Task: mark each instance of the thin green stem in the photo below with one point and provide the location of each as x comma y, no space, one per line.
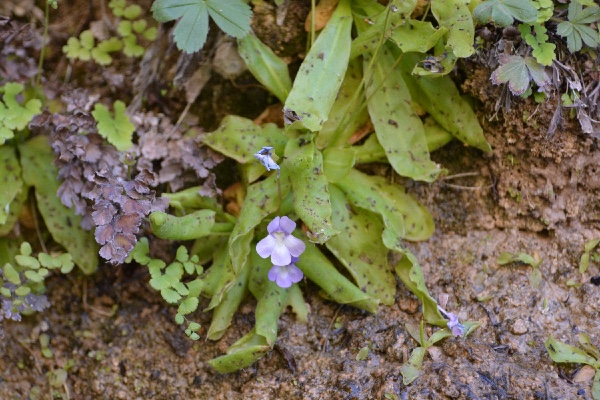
278,193
422,334
44,41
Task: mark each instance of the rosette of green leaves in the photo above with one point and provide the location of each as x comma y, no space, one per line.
357,217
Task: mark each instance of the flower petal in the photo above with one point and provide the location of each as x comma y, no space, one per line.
274,225
283,281
273,273
287,225
265,247
295,273
280,255
294,245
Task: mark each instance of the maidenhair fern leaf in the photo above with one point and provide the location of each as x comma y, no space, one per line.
118,130
13,115
232,16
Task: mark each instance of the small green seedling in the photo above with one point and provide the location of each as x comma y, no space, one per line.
45,345
118,130
563,353
22,280
168,280
362,354
412,368
535,277
584,262
130,29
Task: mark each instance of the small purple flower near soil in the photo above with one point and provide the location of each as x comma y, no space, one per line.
455,326
453,323
280,245
285,275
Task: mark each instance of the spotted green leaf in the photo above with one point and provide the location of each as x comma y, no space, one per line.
266,66
359,248
309,184
192,226
271,298
337,163
399,129
564,353
246,351
384,22
364,191
409,271
321,271
10,181
440,97
239,138
344,118
456,17
320,76
223,313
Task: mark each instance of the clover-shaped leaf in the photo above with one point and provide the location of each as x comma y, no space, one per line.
232,16
132,12
132,48
518,72
80,48
101,53
576,30
504,12
118,130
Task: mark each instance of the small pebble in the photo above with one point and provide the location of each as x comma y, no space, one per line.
519,327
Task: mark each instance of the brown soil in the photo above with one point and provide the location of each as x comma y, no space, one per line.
532,195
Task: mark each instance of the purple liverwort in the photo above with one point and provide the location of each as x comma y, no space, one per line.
284,276
280,245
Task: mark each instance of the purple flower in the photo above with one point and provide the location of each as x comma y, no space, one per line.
454,325
280,245
285,275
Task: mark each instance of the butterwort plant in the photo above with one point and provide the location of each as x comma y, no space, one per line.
346,214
